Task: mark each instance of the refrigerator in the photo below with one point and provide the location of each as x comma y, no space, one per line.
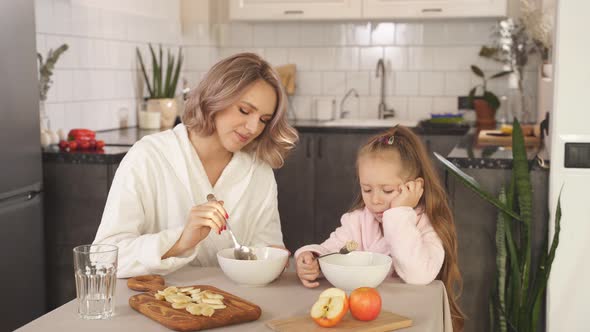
568,289
22,277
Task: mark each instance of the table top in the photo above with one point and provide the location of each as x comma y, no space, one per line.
426,305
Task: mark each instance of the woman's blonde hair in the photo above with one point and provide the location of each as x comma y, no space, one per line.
416,162
222,86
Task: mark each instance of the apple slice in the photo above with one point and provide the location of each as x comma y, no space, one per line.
330,308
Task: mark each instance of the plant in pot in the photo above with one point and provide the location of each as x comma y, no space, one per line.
45,73
162,88
518,293
487,103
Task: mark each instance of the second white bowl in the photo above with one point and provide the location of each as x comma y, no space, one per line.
356,269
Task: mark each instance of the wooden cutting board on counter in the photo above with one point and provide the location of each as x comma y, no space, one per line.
238,310
496,137
387,321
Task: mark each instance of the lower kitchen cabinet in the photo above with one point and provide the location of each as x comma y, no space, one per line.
75,198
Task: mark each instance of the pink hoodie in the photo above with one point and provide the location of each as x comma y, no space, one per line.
408,237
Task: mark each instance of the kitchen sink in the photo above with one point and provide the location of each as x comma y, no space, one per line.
384,123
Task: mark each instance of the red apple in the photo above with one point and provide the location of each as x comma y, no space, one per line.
365,303
330,307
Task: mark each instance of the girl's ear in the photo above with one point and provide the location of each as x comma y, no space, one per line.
421,181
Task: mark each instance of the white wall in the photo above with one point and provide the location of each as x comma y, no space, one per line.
95,81
569,291
427,62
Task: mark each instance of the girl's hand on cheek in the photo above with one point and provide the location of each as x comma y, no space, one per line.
409,194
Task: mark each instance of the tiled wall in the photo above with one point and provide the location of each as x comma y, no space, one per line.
427,63
97,84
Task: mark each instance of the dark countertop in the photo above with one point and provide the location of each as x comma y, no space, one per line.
465,154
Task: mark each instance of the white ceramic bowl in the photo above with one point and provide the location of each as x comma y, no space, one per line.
356,269
268,266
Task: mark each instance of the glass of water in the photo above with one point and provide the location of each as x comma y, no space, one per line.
95,268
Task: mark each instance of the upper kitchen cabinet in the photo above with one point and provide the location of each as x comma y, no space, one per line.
285,10
422,9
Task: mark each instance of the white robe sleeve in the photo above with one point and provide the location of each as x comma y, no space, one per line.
268,229
126,224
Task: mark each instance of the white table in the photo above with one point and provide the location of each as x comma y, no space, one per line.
426,305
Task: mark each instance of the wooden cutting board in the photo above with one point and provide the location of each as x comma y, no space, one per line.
238,310
387,321
496,137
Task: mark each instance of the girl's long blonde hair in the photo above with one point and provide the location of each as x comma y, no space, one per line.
221,87
434,200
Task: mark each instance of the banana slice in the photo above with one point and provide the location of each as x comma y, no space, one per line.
178,298
180,305
186,289
217,306
194,309
212,301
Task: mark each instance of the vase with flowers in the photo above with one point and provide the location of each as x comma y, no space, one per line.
45,72
486,103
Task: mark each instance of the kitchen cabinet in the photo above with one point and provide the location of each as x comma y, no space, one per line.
286,10
301,10
391,9
75,195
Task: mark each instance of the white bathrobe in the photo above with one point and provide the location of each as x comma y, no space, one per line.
157,183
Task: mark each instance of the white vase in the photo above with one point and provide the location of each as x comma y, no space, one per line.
167,108
44,123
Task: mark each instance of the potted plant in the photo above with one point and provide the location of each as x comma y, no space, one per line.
45,73
485,104
517,296
162,87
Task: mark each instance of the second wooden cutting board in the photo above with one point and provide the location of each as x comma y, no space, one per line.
387,321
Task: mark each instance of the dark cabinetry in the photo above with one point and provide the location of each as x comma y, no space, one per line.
75,198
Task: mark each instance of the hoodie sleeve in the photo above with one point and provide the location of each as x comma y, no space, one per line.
416,249
349,230
124,222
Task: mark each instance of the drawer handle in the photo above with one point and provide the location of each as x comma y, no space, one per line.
293,12
432,10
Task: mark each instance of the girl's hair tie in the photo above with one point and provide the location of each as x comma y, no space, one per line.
389,140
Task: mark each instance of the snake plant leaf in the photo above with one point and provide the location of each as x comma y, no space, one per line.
143,71
473,185
513,289
524,192
501,258
160,78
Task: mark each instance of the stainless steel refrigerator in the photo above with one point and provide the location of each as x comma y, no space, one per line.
22,276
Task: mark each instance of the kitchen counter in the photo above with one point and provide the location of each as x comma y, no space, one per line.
110,154
426,305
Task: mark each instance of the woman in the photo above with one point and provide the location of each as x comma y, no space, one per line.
234,132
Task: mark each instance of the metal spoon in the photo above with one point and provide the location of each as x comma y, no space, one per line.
349,247
240,252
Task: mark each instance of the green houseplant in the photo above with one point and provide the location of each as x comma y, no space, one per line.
45,73
517,296
487,103
162,87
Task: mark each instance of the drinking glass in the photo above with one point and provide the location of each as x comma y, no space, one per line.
95,268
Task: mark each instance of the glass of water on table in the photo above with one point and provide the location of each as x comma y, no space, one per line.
95,269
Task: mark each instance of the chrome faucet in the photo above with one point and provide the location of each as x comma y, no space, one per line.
343,112
383,111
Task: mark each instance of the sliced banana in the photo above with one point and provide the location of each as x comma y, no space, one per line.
192,299
217,306
186,289
180,305
212,301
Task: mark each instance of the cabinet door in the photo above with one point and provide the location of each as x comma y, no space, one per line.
336,184
295,189
285,10
433,8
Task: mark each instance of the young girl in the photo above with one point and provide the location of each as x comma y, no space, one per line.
402,212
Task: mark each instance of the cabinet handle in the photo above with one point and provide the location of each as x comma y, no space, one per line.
432,10
320,147
308,148
293,12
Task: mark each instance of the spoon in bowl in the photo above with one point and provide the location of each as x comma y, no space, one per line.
240,252
349,247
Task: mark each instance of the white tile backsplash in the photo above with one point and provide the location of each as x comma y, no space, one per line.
98,85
